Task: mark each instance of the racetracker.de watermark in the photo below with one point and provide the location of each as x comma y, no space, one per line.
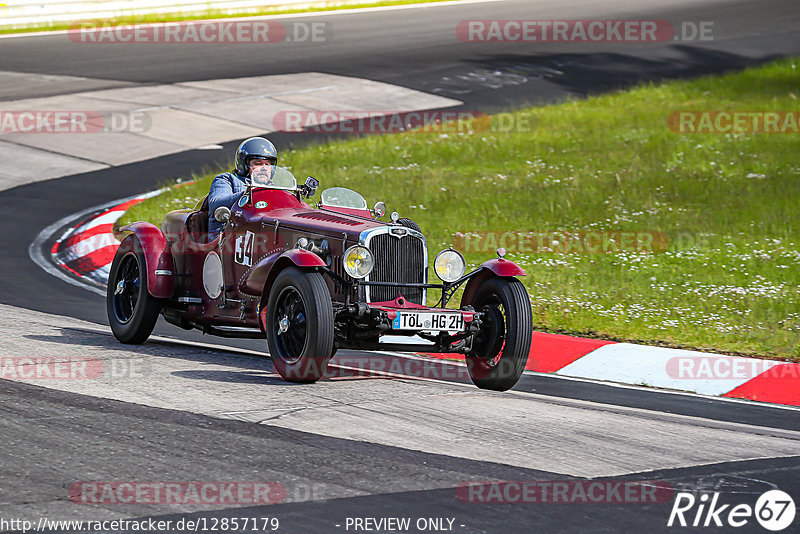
49,368
71,368
734,122
564,242
565,492
391,367
582,31
727,367
386,121
73,122
201,32
169,493
345,366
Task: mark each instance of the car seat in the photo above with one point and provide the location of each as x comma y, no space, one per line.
197,222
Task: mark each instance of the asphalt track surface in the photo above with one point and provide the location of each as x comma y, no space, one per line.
413,48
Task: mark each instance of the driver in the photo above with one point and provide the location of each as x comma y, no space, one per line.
254,155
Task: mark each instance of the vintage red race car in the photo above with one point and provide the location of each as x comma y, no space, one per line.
312,280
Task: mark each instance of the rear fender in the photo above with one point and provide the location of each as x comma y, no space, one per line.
495,267
157,258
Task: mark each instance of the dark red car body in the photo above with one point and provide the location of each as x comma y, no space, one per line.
223,287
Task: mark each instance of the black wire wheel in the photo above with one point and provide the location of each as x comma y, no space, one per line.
500,350
132,311
299,325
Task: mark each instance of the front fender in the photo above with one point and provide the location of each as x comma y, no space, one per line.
494,267
157,258
503,267
259,278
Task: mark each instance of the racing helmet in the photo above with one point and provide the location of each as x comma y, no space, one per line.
255,147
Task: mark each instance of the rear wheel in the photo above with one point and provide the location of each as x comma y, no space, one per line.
299,325
500,350
132,310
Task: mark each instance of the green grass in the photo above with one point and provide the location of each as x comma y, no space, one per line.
730,204
217,14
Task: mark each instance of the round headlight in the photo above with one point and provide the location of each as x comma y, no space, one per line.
358,261
449,265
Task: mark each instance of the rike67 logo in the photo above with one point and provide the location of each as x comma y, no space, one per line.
774,510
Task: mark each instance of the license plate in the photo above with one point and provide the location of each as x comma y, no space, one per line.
433,321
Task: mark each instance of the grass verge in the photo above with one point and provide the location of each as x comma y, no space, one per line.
727,203
218,14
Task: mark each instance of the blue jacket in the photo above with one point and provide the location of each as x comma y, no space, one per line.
225,191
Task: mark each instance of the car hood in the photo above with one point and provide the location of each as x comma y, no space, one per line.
321,221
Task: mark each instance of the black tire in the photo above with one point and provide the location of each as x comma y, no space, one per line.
132,310
302,345
501,348
408,223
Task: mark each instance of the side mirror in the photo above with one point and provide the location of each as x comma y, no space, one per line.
222,214
379,210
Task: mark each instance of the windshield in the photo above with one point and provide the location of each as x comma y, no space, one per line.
272,177
341,197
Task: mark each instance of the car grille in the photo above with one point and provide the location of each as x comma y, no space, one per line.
397,260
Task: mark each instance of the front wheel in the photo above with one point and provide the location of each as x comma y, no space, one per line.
132,310
500,350
299,325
